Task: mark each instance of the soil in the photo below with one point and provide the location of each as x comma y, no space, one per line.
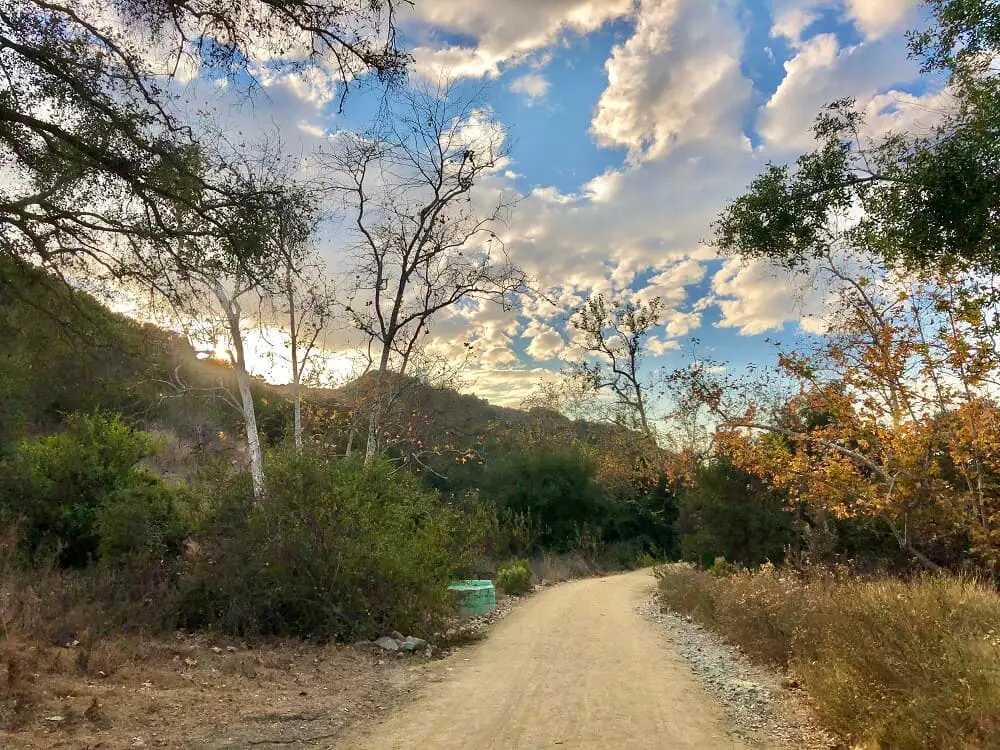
575,666
585,665
193,693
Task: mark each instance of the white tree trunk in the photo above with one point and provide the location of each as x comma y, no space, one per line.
298,419
371,449
232,310
296,369
253,436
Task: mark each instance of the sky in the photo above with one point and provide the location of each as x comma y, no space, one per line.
630,125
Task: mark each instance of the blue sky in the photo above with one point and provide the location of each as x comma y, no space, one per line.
631,123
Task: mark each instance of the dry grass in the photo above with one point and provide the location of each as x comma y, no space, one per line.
889,663
70,678
549,568
190,692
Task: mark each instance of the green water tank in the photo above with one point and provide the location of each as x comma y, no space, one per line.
477,598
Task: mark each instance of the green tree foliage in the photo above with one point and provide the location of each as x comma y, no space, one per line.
929,201
64,352
80,493
338,550
557,490
728,513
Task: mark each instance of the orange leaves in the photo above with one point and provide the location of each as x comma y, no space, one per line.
892,416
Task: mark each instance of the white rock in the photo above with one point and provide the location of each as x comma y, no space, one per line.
387,643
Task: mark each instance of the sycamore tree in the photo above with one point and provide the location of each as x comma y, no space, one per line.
891,413
96,151
423,238
614,335
218,285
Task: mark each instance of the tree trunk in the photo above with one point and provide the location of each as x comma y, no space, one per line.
296,374
371,450
238,357
298,419
374,421
253,436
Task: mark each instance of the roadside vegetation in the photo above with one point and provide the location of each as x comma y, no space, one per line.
887,662
844,526
837,515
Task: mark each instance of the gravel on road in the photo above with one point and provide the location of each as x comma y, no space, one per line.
768,709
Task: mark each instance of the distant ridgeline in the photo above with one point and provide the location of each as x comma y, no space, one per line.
62,351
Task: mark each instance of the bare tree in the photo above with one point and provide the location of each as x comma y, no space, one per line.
422,242
307,301
614,335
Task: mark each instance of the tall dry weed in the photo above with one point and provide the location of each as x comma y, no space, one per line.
890,663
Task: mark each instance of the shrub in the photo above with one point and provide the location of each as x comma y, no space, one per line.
56,486
140,523
729,513
558,491
888,662
514,578
336,550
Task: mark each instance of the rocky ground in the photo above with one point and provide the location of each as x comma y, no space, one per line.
768,709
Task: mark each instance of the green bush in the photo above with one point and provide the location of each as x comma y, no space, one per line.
558,491
731,514
140,522
338,550
56,486
514,578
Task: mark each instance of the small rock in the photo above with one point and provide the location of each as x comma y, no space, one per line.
191,662
231,649
412,643
387,643
216,650
789,683
55,718
397,635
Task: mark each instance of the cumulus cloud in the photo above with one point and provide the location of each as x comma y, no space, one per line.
876,18
755,297
533,85
508,34
822,71
676,79
545,342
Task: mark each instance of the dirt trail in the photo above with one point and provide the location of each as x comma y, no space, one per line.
575,666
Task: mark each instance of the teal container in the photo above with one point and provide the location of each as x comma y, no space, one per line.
476,598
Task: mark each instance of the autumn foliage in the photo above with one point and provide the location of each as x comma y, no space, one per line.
889,414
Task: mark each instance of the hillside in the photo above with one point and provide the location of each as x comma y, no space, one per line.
65,352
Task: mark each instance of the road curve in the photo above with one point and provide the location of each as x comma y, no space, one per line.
574,666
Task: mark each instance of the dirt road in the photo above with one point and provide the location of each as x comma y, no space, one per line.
573,667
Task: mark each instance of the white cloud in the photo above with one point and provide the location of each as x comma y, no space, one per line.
546,342
876,18
756,297
508,387
790,22
533,85
510,33
676,79
822,71
662,345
